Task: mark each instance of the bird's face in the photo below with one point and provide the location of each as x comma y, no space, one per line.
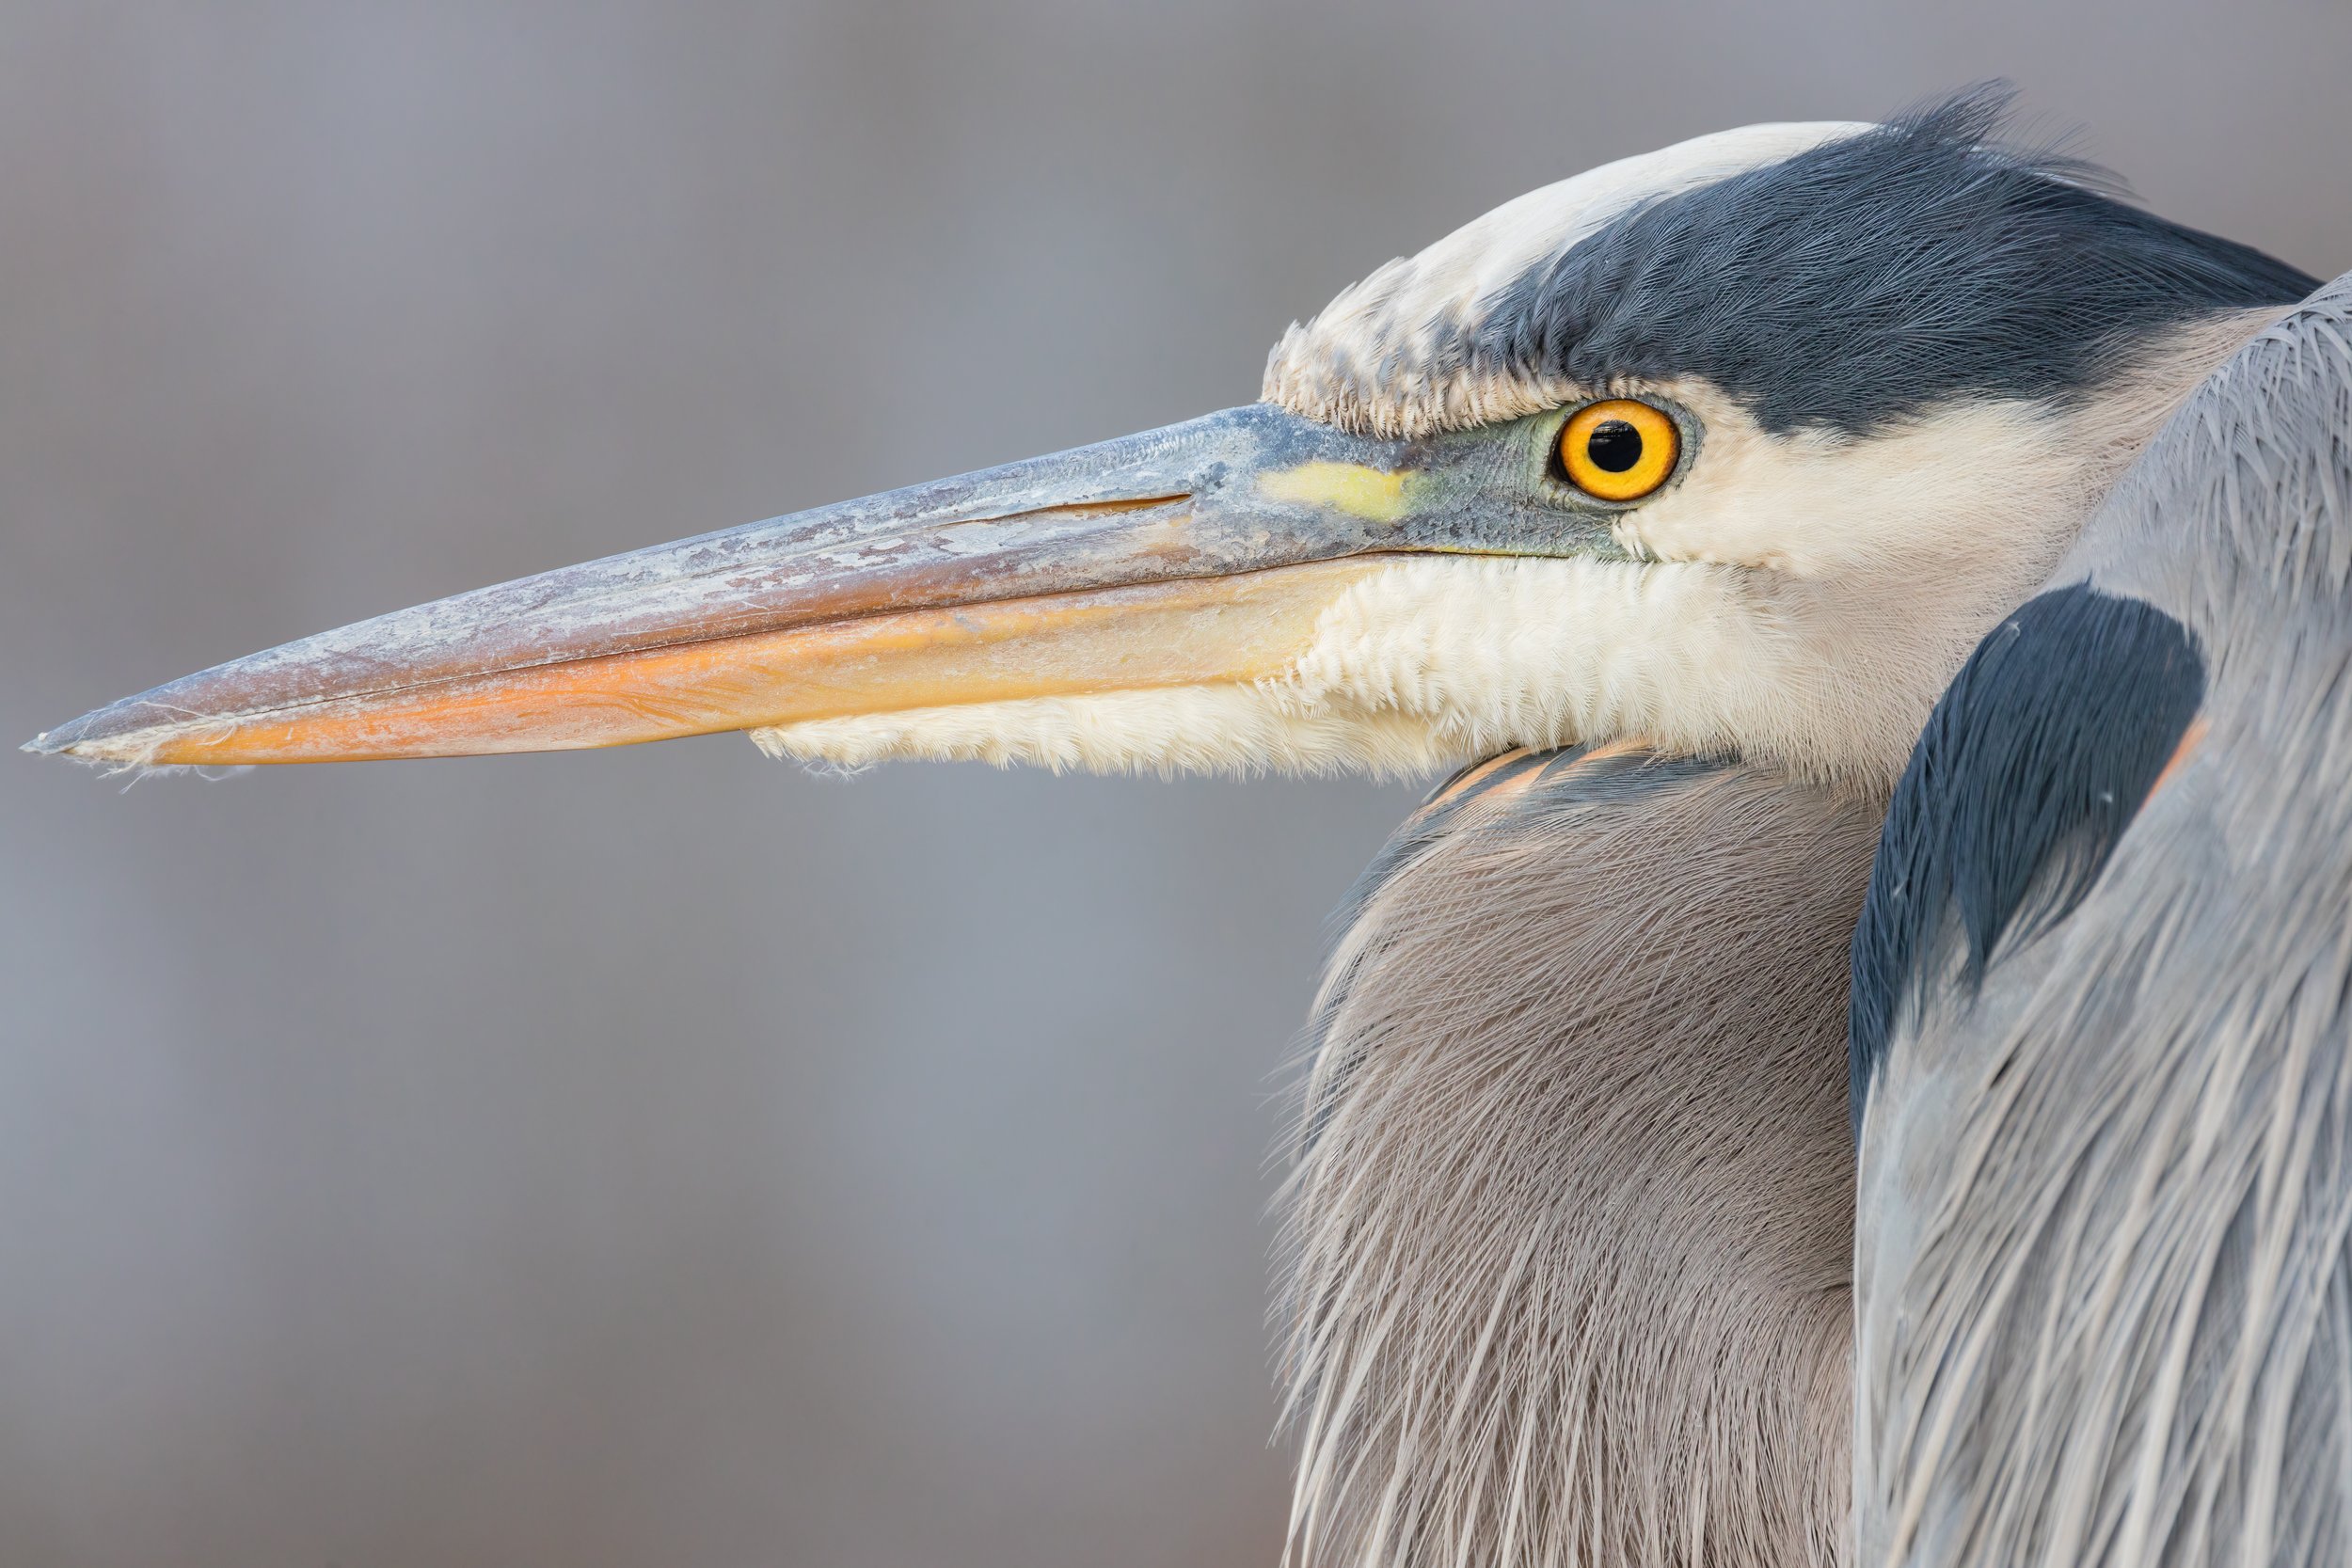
1736,447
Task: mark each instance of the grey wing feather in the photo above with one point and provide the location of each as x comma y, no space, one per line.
2104,1294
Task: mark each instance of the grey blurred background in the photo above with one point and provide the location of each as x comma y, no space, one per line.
661,1155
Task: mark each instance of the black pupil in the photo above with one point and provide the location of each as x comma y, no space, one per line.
1614,446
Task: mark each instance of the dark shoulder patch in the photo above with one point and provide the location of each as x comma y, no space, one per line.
2029,769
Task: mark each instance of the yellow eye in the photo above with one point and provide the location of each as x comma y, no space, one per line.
1619,450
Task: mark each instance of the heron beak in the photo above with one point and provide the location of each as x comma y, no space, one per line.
1200,553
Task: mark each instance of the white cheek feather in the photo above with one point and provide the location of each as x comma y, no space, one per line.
1990,489
1964,488
1689,657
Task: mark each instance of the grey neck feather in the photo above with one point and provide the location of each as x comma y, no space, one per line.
1570,1230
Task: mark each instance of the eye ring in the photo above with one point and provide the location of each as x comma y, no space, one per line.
1619,449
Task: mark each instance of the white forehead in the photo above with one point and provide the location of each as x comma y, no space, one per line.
1369,360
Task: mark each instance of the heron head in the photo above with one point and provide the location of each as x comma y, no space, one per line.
1734,447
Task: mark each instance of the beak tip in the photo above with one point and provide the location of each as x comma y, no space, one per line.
50,743
105,735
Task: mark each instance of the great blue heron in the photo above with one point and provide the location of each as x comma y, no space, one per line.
1678,492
